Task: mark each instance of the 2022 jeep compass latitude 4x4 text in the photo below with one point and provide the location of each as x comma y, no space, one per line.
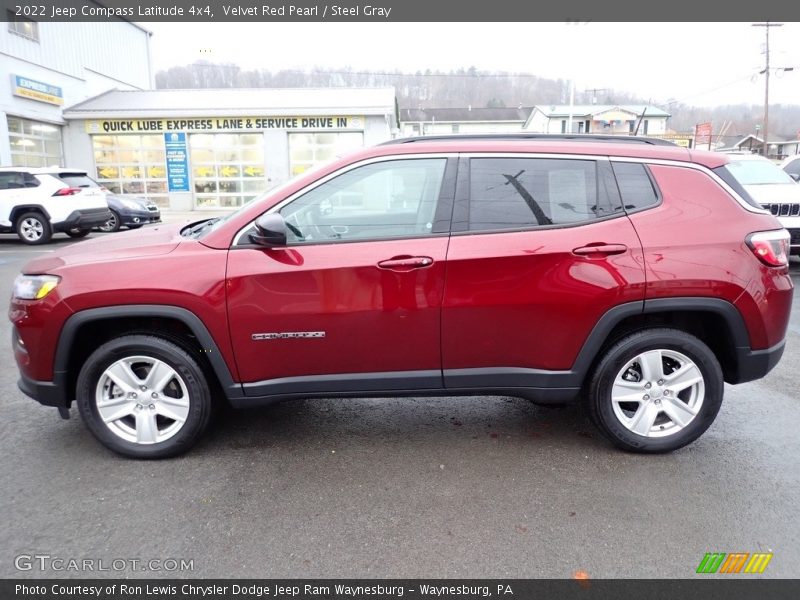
635,276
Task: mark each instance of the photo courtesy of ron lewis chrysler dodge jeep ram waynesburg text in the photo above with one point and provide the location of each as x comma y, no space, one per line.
629,274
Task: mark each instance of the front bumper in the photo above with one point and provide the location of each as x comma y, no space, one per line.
139,217
45,393
83,219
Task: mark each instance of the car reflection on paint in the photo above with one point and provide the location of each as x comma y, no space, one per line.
130,212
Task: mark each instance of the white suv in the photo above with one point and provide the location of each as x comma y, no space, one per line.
38,202
772,188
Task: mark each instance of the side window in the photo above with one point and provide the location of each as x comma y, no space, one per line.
635,186
31,181
793,168
515,193
394,198
11,180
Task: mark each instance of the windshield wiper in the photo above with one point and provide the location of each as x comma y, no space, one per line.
196,230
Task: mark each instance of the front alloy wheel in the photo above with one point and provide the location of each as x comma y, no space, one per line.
656,390
144,397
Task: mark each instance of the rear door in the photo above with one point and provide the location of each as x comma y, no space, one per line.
540,249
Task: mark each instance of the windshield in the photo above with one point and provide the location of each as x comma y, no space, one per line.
758,172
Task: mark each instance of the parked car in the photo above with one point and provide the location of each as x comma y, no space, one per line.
634,276
773,189
35,203
791,164
130,212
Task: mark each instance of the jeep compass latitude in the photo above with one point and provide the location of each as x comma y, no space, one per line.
633,275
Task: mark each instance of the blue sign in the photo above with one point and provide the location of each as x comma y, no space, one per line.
177,163
37,90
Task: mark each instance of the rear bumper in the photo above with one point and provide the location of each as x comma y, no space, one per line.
755,364
83,219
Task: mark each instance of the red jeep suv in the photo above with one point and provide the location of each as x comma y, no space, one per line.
632,274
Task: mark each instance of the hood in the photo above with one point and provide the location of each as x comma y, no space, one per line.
768,193
152,241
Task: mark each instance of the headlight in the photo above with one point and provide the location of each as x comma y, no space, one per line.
132,204
34,287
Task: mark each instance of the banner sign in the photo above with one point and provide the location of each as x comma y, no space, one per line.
177,162
211,124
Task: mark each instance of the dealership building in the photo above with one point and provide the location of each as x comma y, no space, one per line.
219,148
45,67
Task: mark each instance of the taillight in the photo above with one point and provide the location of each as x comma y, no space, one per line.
67,191
771,247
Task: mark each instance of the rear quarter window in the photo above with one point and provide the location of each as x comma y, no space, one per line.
729,178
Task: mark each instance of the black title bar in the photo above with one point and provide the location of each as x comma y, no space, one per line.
381,11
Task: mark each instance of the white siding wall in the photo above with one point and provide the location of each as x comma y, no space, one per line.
71,48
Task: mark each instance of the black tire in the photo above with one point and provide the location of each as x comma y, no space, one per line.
195,392
113,224
78,233
619,356
33,228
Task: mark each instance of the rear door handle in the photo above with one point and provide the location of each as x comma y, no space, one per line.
406,263
600,249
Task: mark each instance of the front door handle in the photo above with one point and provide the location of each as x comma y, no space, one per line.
405,263
600,249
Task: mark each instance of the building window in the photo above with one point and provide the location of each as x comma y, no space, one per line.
580,127
631,126
227,168
309,149
563,126
646,122
22,26
34,144
455,128
132,164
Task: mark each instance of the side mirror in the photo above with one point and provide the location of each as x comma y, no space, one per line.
795,176
270,231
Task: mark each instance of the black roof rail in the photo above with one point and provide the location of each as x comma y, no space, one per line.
558,137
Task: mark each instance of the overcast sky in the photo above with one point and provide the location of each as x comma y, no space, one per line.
704,64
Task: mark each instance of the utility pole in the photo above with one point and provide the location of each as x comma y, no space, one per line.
766,27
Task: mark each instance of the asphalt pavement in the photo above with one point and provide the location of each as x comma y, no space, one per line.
415,487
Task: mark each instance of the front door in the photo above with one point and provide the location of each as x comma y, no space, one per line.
353,302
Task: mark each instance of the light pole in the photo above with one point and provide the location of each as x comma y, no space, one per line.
766,27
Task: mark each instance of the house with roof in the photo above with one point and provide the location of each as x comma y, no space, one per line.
779,147
597,118
441,121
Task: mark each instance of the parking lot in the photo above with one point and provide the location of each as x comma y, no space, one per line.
421,487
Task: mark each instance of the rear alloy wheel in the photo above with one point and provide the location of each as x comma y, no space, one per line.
33,228
656,391
144,397
112,224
